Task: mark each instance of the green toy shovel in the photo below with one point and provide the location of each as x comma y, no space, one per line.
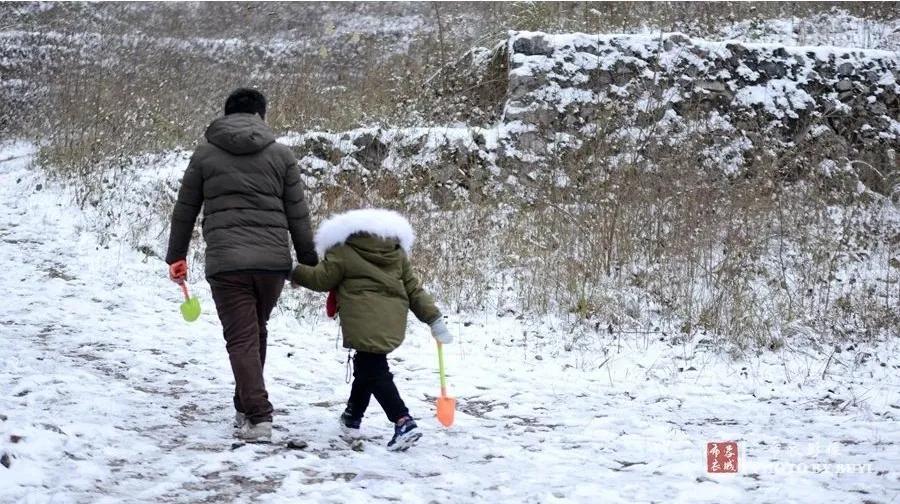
190,309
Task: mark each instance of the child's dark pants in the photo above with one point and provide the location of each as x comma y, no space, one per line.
371,377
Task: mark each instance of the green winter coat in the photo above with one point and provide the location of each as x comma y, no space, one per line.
376,287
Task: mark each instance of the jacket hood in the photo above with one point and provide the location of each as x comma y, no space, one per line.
240,133
375,249
377,222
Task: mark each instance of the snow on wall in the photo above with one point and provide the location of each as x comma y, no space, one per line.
557,80
560,87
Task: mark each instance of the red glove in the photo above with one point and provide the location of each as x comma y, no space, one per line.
331,304
178,271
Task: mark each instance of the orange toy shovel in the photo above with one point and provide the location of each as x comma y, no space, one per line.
446,406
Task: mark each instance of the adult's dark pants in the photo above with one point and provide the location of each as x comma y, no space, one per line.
244,302
371,377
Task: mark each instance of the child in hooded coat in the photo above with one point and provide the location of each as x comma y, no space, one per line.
366,262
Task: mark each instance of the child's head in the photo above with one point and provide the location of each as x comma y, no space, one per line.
379,222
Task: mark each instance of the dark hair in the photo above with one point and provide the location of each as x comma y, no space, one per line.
246,100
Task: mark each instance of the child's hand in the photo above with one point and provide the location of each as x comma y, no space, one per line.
440,333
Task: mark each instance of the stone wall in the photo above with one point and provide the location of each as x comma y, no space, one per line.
565,82
561,93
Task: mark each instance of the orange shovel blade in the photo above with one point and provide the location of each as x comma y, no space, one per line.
446,407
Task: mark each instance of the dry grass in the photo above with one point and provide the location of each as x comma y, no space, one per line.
658,243
652,243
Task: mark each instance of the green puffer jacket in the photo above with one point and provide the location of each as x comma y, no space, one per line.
365,260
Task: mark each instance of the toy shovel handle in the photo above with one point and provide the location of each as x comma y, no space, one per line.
441,369
184,290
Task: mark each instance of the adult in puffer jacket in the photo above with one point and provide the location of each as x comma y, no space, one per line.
366,263
254,207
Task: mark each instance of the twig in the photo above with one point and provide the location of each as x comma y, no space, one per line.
11,158
825,371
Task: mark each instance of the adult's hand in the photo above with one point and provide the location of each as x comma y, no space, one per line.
178,271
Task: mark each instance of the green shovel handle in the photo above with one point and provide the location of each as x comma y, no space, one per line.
441,369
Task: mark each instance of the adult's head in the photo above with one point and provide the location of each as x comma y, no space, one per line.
246,101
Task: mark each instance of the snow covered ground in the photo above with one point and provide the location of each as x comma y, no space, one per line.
106,395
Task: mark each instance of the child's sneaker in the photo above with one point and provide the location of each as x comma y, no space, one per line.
350,424
406,434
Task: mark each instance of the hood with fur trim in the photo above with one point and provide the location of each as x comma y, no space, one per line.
379,222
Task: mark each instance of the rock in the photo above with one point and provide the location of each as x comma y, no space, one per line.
872,77
622,73
297,445
371,151
520,85
532,46
679,39
5,460
364,140
38,187
845,69
691,71
517,114
590,49
844,85
600,78
13,438
711,86
532,141
588,111
878,108
774,69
